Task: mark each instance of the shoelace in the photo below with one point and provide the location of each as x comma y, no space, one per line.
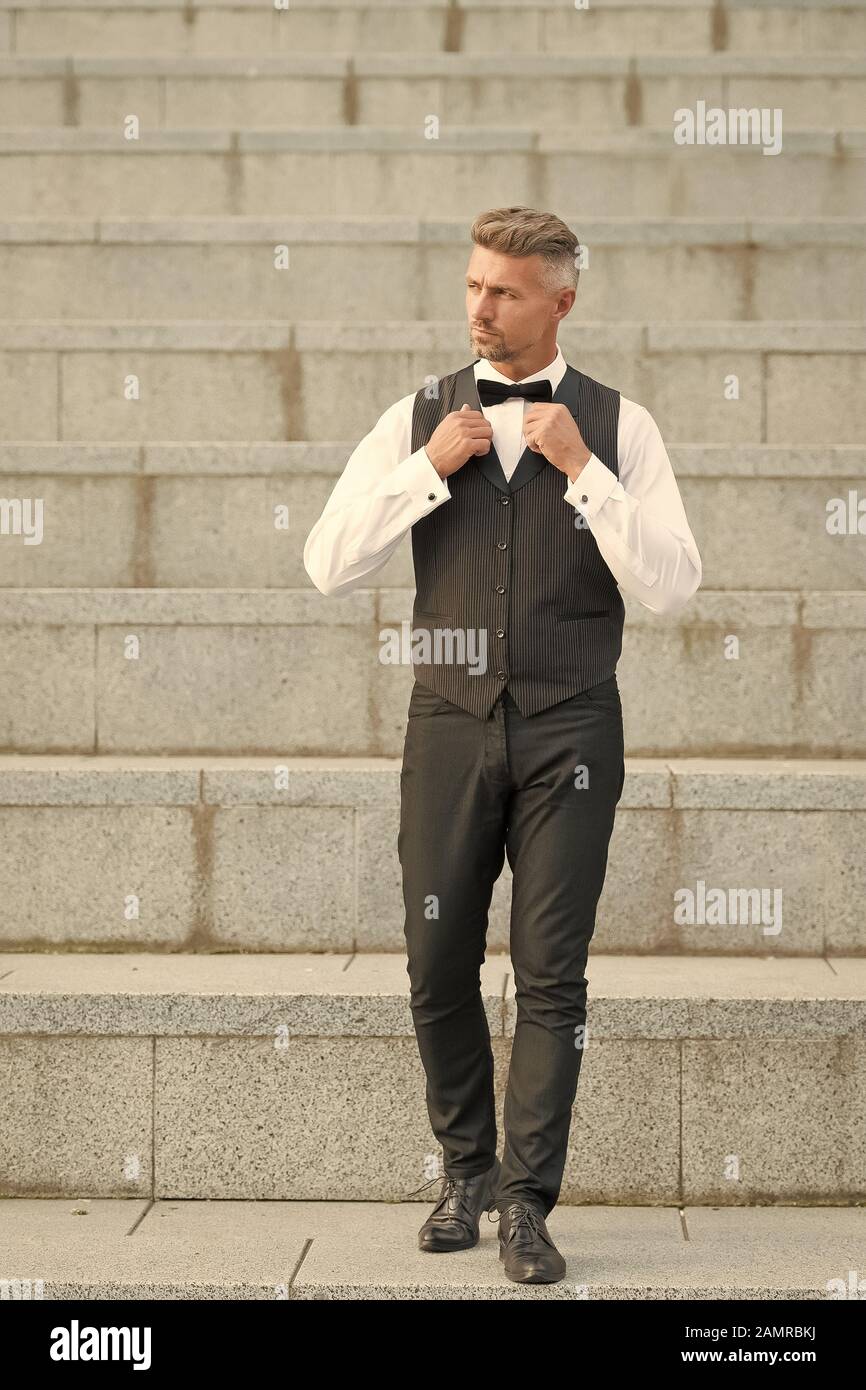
525,1216
448,1189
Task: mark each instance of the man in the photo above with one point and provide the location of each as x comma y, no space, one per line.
532,493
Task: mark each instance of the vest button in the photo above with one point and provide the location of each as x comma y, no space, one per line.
500,675
505,501
502,545
500,632
500,588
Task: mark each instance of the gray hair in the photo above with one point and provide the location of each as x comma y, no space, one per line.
522,231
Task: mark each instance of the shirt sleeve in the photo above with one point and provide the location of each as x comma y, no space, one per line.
638,520
383,490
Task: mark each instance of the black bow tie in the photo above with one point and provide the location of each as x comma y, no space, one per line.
495,392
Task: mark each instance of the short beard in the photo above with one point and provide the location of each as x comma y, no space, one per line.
495,351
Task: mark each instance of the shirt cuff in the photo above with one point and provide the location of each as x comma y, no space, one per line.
417,477
591,488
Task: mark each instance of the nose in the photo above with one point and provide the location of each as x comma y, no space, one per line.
483,306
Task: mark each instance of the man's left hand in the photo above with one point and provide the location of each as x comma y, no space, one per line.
551,429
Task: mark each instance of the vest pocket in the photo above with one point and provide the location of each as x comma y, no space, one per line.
581,617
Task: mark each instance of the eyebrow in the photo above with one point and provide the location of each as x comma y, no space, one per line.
512,289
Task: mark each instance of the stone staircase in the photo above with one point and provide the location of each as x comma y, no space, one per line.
199,758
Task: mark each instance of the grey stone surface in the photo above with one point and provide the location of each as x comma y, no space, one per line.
453,65
245,1059
777,873
118,1250
76,1116
400,229
784,784
132,529
624,1135
263,996
235,689
603,29
89,533
47,687
264,379
341,170
121,1250
830,378
54,607
28,396
635,996
300,854
225,270
380,895
802,1135
721,997
849,868
634,909
787,544
99,875
353,782
198,654
291,872
589,91
77,780
320,1118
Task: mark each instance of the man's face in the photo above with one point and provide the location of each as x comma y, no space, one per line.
507,308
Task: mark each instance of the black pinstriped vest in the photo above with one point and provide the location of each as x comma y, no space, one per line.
509,590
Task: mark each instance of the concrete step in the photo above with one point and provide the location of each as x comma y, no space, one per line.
717,382
217,1077
472,26
389,267
760,514
112,853
555,90
243,671
99,1248
367,170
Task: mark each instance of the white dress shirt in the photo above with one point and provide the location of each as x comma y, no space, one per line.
638,520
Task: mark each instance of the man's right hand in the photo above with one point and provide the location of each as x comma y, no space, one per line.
462,434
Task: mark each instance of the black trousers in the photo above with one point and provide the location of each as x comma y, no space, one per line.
544,791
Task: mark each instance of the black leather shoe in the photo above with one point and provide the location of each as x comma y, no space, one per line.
529,1255
453,1222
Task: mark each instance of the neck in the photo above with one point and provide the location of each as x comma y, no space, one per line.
533,360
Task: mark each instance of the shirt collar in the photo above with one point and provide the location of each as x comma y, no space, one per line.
553,372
